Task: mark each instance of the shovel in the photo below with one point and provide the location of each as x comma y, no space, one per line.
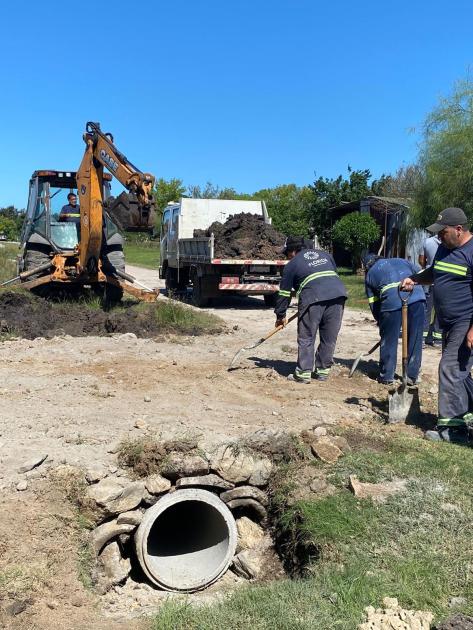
361,355
260,341
405,400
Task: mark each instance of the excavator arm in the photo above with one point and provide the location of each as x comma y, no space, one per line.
100,152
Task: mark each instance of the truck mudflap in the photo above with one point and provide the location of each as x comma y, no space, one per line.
249,288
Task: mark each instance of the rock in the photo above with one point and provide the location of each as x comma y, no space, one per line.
178,465
115,568
130,518
456,602
319,432
376,491
141,424
245,492
111,497
124,539
18,606
35,461
434,390
76,600
250,504
100,536
247,564
274,443
147,398
239,466
341,442
326,450
95,473
261,473
457,622
157,484
393,617
22,486
204,481
250,534
150,499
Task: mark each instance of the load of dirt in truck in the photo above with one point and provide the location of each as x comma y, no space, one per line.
24,315
246,236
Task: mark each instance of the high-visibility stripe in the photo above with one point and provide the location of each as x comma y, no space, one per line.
437,335
450,422
372,299
389,286
302,374
314,276
452,265
323,371
283,293
69,214
468,417
455,269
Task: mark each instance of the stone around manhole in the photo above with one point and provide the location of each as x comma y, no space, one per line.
247,564
112,498
261,473
103,533
245,492
250,504
34,462
250,534
273,442
326,450
177,465
238,466
376,491
133,517
204,481
157,484
115,568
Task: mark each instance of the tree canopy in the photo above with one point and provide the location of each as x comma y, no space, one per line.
355,232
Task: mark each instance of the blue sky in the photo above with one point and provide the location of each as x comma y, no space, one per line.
244,94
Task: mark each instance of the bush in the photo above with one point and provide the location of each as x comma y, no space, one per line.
355,232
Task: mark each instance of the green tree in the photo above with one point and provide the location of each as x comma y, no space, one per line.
288,206
9,228
327,193
166,191
446,157
355,232
403,184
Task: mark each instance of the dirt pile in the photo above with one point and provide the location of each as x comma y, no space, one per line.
28,316
246,236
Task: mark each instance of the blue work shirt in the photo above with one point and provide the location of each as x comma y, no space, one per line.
69,214
312,273
381,285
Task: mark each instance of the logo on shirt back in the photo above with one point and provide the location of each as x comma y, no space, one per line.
311,255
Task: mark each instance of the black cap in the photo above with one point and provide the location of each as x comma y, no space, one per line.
449,216
292,243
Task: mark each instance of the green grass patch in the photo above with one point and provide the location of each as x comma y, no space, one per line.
172,316
8,255
143,252
355,285
415,546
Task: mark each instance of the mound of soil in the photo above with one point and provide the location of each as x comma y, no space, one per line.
245,235
28,316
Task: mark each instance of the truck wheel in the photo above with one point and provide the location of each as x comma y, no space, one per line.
198,296
270,300
171,279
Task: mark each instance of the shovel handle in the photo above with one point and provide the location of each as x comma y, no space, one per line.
278,328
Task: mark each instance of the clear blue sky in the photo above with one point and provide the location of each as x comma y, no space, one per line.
248,94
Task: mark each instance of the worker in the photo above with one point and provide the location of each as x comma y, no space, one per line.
382,280
451,275
71,212
313,275
432,332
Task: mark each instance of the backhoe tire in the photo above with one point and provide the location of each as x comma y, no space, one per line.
34,258
112,260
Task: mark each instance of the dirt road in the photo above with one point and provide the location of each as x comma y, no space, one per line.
75,399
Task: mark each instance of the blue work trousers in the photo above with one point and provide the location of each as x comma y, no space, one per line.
455,382
389,329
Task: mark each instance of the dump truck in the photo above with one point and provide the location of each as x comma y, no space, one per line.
187,260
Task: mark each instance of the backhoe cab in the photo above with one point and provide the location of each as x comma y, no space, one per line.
87,251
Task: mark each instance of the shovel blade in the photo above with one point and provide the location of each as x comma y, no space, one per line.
403,404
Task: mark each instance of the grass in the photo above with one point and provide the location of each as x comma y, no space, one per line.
142,251
8,254
175,317
415,546
355,285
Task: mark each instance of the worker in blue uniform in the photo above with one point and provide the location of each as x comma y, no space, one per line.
312,274
383,276
451,274
71,212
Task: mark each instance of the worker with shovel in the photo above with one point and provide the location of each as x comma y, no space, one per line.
452,275
312,273
383,277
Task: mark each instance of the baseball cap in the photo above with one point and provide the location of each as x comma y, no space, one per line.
449,216
292,243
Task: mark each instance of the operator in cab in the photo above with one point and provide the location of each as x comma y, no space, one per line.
70,213
312,274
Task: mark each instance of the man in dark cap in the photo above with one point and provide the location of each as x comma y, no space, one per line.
452,275
383,277
312,273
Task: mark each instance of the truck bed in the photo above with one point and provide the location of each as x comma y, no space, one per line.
201,249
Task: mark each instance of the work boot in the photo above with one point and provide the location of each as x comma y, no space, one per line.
321,374
383,381
455,435
413,382
297,379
